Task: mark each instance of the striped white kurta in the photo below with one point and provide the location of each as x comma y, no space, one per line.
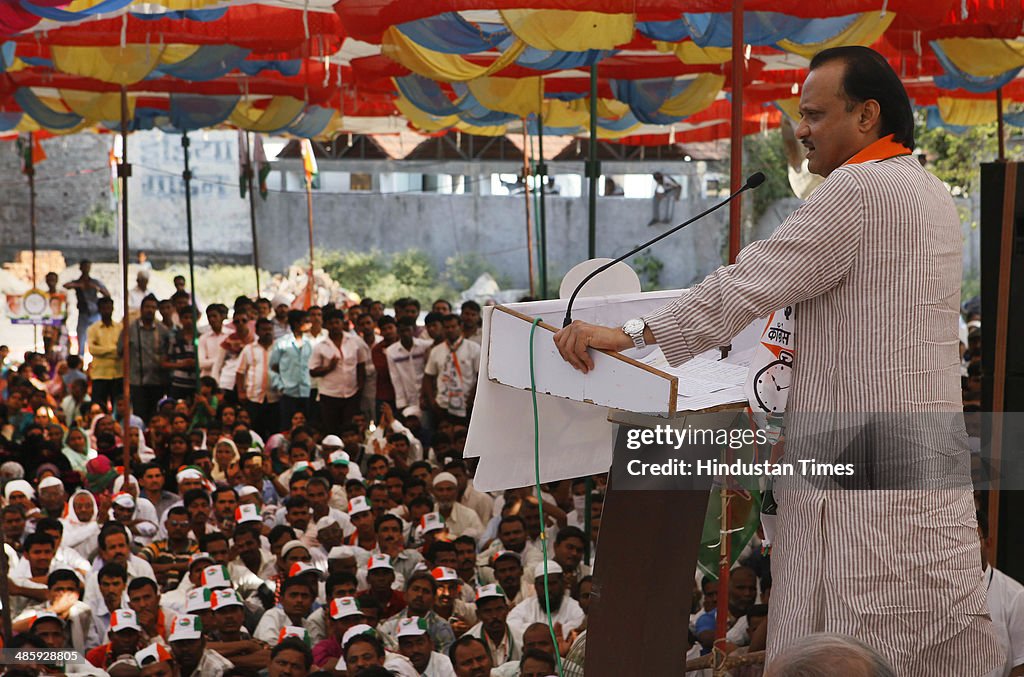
872,263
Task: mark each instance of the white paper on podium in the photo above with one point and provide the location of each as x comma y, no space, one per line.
576,438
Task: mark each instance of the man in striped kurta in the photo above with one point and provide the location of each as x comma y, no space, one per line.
871,263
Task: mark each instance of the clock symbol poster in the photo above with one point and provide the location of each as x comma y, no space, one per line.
771,369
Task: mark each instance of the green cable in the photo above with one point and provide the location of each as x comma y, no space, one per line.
540,501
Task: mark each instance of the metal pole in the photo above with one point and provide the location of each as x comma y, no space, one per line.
542,244
736,144
593,167
588,487
186,174
526,193
999,125
124,171
249,173
30,170
309,210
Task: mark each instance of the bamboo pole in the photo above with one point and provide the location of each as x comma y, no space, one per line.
529,220
124,171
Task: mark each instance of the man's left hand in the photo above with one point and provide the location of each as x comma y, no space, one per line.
574,340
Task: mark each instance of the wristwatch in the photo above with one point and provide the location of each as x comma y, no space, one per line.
634,329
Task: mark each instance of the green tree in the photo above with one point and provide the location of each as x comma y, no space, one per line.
955,156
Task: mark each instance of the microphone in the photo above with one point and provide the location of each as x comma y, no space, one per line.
753,181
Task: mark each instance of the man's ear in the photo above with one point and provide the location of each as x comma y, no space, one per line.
870,115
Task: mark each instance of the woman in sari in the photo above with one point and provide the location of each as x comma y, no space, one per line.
77,449
225,462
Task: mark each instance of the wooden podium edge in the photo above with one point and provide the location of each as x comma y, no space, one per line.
673,380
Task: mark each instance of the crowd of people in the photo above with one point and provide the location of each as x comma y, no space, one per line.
289,496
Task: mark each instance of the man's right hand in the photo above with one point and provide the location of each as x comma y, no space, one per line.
574,341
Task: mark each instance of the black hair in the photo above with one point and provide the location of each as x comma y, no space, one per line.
49,524
471,305
293,644
339,578
296,502
374,458
406,322
295,318
387,517
570,532
385,320
465,640
221,489
280,530
537,655
113,570
59,575
141,582
193,495
867,75
304,581
424,501
433,317
206,539
369,638
110,529
177,510
465,539
38,538
438,547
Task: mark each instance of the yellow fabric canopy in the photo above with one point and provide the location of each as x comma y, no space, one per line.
437,65
984,57
569,30
865,31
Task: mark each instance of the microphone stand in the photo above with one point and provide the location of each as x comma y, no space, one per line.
753,181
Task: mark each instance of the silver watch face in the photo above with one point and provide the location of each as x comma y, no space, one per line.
633,327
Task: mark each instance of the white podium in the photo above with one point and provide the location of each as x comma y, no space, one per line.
578,414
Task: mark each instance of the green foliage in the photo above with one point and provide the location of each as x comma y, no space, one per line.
355,271
100,220
220,283
385,277
648,268
461,270
765,153
955,157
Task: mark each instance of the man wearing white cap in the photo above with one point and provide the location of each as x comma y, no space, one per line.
364,649
63,595
190,651
415,644
492,610
512,537
155,661
565,611
459,519
391,542
420,592
231,639
124,638
175,599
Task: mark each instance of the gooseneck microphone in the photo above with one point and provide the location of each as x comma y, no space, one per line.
753,181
